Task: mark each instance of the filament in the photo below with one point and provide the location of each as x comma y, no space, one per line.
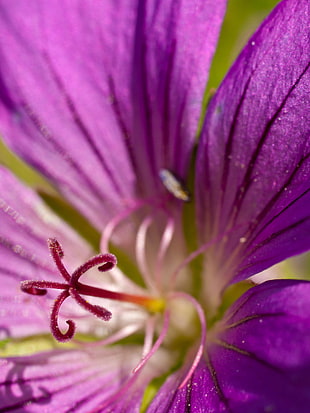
157,343
141,252
149,335
131,380
164,245
198,252
113,338
200,313
113,223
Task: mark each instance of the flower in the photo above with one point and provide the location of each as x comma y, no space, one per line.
103,99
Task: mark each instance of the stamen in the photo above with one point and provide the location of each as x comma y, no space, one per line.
136,371
141,252
111,226
174,185
164,245
74,288
149,335
198,252
157,343
124,332
202,319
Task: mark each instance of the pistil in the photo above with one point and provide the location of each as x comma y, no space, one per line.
74,289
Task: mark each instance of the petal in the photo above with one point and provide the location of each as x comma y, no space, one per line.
26,223
74,380
98,96
257,359
264,361
197,396
253,163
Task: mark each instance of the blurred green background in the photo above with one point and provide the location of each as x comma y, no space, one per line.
242,19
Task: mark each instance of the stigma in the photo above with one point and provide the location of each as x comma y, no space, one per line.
73,288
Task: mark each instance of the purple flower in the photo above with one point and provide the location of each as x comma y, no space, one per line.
103,98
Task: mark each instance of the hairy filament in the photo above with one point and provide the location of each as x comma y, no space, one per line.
200,313
141,252
163,247
113,338
132,379
149,335
157,343
113,223
198,252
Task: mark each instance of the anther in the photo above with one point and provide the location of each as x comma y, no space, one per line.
174,185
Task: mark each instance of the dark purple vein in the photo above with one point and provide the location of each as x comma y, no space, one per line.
47,396
141,94
253,317
216,382
43,130
166,115
272,237
246,353
80,124
188,402
243,188
126,132
230,140
277,215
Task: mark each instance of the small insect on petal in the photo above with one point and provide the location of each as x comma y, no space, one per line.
173,185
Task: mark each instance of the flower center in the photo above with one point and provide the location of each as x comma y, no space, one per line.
74,288
172,306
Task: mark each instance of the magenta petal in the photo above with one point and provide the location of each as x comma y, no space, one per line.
257,359
253,163
26,223
67,381
174,44
99,95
